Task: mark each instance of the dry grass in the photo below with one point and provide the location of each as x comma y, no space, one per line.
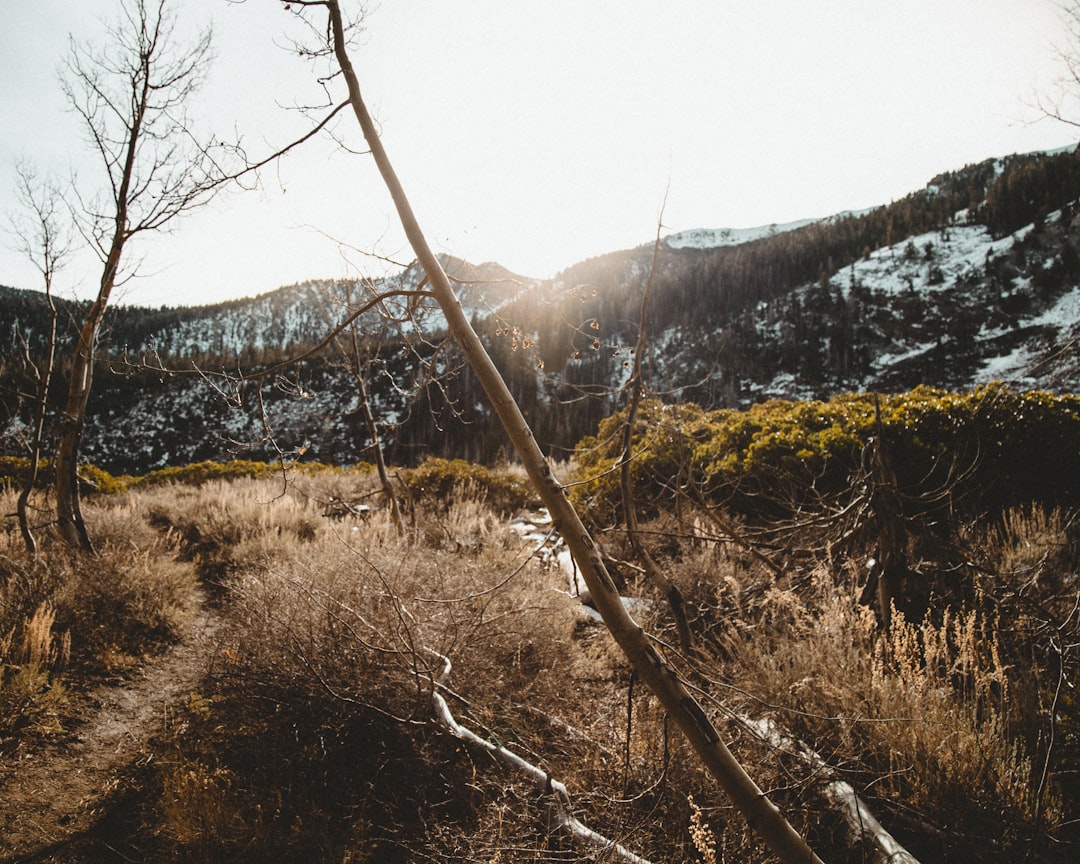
315,731
332,641
129,600
64,616
335,629
32,656
943,723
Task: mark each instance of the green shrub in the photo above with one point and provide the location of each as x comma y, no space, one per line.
198,473
990,448
100,480
665,437
437,481
13,472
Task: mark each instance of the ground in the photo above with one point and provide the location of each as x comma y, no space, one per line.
57,798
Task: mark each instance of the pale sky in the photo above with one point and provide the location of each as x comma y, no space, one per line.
536,134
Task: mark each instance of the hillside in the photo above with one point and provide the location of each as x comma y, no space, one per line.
975,277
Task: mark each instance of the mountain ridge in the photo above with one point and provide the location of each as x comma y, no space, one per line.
972,278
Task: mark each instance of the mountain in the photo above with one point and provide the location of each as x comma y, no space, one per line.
975,277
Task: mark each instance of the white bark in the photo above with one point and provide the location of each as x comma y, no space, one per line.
544,782
657,674
863,829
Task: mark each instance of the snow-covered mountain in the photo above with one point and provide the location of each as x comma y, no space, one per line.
710,238
972,279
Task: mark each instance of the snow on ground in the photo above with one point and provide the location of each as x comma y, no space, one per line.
952,251
1063,316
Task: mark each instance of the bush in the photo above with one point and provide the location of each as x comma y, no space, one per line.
198,473
988,449
100,480
439,481
14,470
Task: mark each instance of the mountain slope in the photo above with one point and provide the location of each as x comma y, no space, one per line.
976,277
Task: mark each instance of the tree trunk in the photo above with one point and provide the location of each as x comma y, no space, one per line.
69,517
132,99
44,379
661,678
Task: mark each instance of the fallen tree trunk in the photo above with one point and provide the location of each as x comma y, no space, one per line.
863,830
658,675
545,783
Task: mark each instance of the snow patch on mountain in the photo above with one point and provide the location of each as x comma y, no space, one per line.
1063,317
714,238
711,238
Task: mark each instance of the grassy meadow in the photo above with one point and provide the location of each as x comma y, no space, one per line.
312,733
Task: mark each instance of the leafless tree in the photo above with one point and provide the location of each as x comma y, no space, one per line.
636,387
43,233
132,96
359,365
1060,101
642,654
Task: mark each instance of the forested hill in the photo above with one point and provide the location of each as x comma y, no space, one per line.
973,278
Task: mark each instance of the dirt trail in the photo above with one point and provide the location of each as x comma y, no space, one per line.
55,793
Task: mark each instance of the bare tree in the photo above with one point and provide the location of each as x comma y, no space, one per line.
642,654
1060,102
359,364
131,96
43,233
636,386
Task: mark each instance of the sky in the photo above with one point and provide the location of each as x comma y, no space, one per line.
537,134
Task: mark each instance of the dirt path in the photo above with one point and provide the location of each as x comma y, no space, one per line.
54,794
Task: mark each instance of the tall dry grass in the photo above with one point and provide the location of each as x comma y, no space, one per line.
324,675
314,731
330,657
132,598
32,658
948,724
64,615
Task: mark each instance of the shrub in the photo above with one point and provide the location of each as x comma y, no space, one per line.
439,481
14,469
991,448
198,473
100,480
